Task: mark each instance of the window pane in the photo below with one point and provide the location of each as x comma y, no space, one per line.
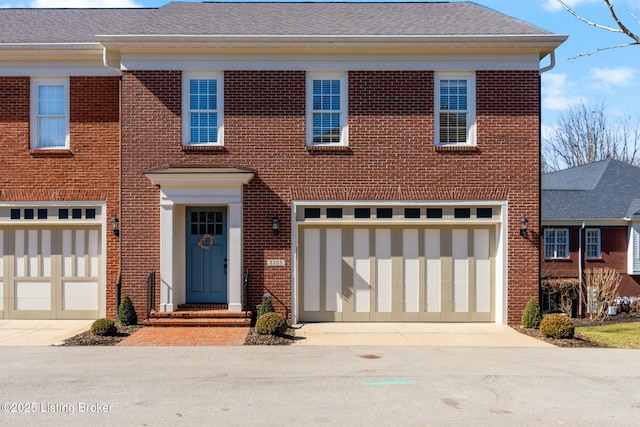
53,132
203,119
51,100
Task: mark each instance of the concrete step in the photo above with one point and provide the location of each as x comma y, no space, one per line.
201,314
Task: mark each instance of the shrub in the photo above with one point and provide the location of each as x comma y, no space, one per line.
271,324
266,306
557,326
104,328
126,313
602,287
532,315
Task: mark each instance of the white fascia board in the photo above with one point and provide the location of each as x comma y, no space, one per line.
328,62
53,60
191,178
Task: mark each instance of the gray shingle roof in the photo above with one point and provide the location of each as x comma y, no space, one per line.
609,189
285,19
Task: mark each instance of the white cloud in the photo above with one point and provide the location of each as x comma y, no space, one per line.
84,3
605,78
554,5
556,92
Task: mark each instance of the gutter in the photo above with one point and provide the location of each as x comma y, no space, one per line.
580,270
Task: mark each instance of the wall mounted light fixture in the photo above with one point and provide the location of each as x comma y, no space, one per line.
524,223
114,225
275,226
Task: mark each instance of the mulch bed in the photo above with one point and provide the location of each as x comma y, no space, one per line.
253,338
579,340
87,338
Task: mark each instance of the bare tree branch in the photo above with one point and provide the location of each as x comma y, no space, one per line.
586,134
622,28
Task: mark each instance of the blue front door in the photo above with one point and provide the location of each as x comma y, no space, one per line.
206,255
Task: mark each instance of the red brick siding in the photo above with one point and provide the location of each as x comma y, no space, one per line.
391,155
613,255
89,172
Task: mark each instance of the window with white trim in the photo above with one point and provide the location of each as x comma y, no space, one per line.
49,113
592,242
202,109
556,243
455,107
327,109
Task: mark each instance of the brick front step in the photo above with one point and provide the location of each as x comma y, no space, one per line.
220,318
203,322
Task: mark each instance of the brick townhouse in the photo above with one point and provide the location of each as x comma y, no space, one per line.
358,161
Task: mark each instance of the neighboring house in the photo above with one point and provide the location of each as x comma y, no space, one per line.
591,219
361,161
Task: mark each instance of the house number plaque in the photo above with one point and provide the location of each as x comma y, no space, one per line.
275,262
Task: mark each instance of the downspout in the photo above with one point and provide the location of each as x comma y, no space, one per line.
107,65
580,270
552,64
116,69
552,58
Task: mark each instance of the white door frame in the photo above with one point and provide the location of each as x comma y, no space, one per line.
187,186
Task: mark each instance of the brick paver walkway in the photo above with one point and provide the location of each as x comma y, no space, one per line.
187,336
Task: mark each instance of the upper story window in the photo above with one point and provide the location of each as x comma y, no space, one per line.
327,109
592,242
556,243
202,109
49,113
455,109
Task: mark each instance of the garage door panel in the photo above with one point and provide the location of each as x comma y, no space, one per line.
79,295
50,273
397,274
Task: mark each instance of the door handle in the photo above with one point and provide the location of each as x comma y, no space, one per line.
226,260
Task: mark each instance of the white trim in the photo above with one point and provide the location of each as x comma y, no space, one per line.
586,243
54,69
587,222
556,256
33,110
470,78
344,105
330,63
182,187
186,78
501,236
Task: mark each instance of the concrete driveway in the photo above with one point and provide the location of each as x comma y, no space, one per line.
414,334
39,332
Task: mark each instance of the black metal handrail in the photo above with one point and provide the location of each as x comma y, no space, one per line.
151,292
246,293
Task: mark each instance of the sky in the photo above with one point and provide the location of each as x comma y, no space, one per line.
609,77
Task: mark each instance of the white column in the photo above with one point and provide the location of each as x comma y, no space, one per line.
167,288
235,278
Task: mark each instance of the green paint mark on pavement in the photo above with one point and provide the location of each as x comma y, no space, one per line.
399,382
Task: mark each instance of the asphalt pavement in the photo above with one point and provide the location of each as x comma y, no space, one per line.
319,386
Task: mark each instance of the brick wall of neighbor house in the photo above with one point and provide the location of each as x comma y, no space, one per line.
613,255
88,172
391,156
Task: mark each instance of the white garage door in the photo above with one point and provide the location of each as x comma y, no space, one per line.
396,273
50,272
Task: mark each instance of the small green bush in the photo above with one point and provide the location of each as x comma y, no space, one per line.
104,327
557,326
271,324
126,313
532,315
266,306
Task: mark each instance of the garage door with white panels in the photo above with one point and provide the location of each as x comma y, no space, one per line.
50,262
398,264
